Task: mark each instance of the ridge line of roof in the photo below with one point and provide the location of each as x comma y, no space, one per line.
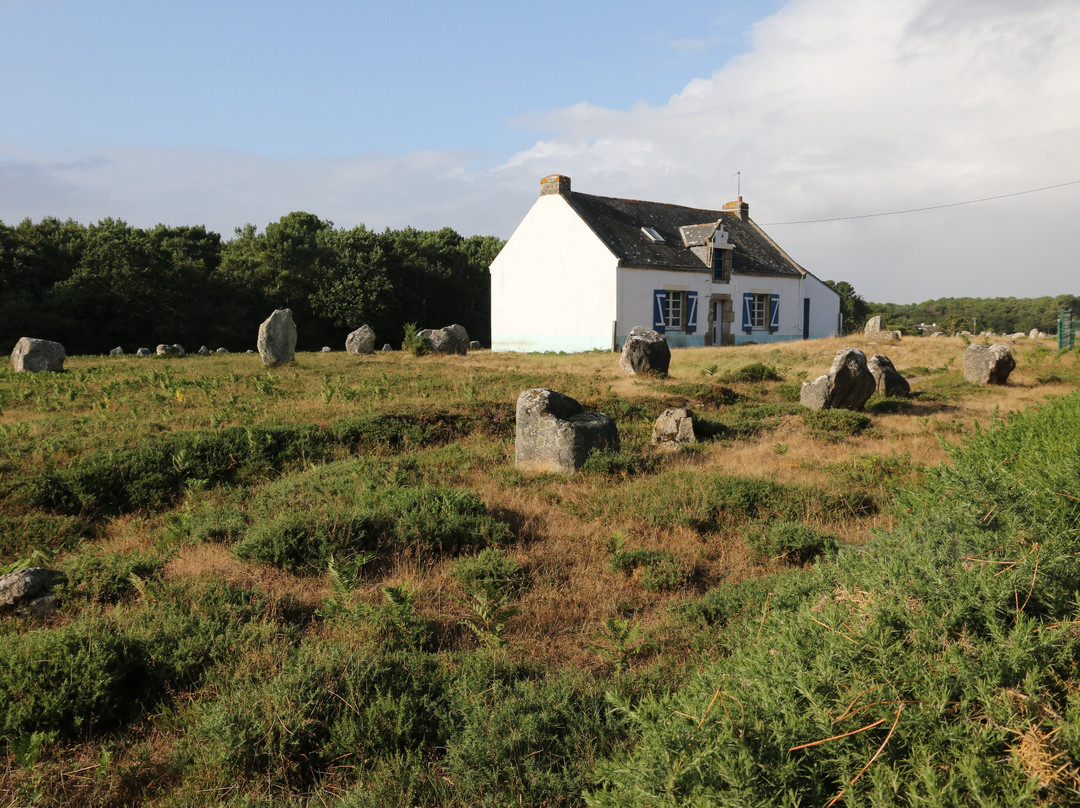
649,202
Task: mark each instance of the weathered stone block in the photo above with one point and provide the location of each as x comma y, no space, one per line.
988,365
554,434
37,355
361,341
848,384
887,378
277,338
644,351
673,428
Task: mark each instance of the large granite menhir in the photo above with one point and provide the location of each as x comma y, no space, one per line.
453,339
277,338
554,433
645,351
848,384
360,341
988,365
37,355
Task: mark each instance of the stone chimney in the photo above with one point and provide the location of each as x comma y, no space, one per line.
740,209
555,184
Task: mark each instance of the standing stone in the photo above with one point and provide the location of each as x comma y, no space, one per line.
555,435
453,339
848,384
277,338
387,347
143,352
37,355
887,378
645,351
362,340
673,428
117,351
164,350
222,350
178,349
326,349
475,345
984,366
873,330
204,351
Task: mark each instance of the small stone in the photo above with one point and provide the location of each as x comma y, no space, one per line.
673,428
117,351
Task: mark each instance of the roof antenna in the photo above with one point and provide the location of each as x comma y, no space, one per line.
738,183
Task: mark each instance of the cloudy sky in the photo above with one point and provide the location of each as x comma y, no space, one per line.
434,114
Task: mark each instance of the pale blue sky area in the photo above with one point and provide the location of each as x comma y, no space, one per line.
289,80
448,114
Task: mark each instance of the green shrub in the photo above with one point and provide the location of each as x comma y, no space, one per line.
793,542
832,426
344,523
108,577
625,463
491,572
67,680
754,372
412,343
318,705
21,534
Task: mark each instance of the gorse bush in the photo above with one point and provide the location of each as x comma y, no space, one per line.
793,542
156,473
345,523
928,667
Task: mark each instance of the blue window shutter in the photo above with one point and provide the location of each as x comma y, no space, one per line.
659,298
774,313
691,312
747,311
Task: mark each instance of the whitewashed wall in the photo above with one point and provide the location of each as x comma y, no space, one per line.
553,284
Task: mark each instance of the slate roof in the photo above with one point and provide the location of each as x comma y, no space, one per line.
618,223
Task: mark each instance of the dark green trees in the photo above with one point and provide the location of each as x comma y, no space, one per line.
93,288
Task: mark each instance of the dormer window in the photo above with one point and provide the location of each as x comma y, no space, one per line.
652,234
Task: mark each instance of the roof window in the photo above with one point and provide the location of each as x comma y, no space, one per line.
652,234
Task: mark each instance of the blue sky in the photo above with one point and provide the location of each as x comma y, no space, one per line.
447,114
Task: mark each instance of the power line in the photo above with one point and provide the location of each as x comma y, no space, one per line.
929,207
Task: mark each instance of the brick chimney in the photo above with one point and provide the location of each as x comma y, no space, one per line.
555,184
740,209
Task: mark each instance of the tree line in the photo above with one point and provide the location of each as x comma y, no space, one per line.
109,284
1002,315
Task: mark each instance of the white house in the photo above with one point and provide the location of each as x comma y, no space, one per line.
580,271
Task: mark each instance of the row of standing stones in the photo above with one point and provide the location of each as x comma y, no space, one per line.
554,434
276,345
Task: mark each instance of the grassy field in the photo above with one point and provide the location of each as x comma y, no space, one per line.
328,583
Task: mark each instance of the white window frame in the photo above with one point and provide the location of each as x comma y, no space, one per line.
759,313
675,311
